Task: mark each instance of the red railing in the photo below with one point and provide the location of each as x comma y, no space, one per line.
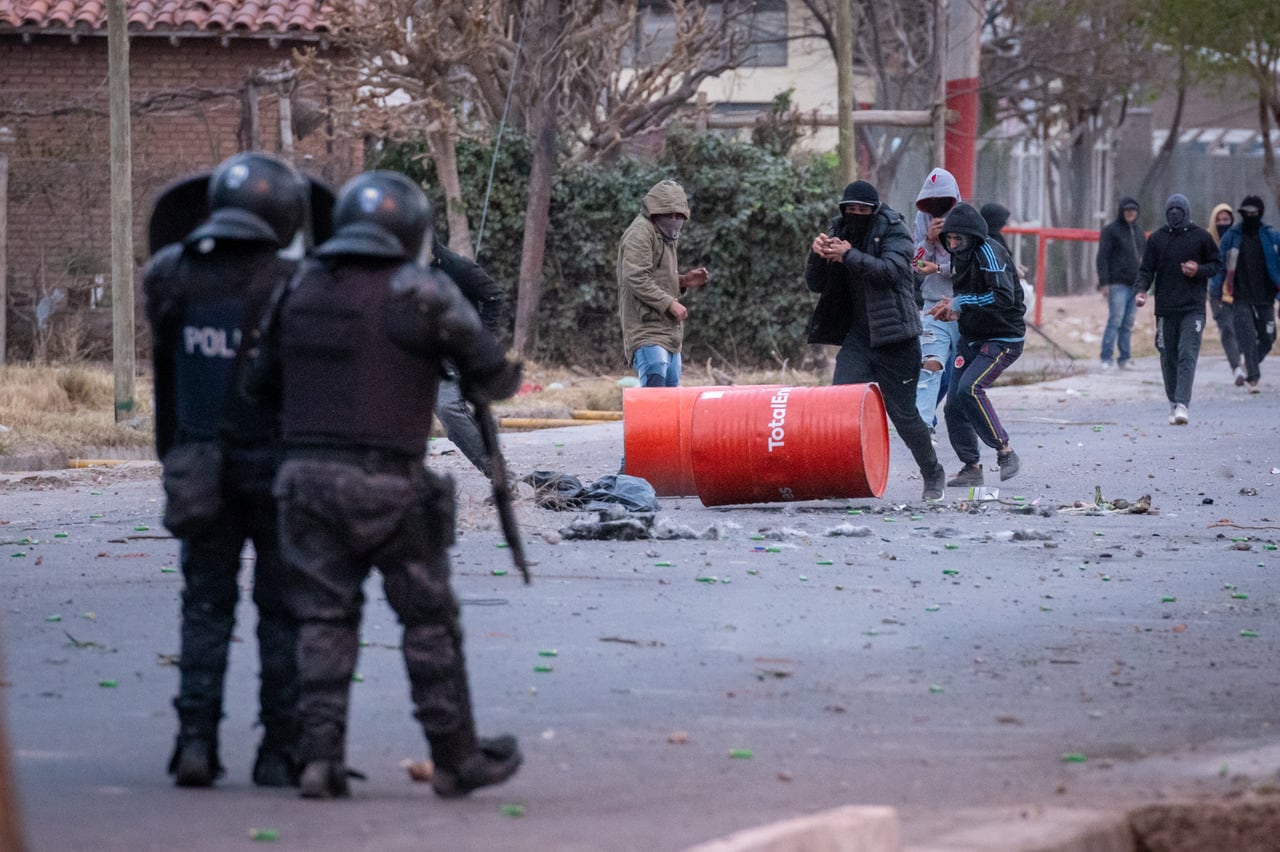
1043,235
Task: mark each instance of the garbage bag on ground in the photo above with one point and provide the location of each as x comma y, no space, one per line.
565,492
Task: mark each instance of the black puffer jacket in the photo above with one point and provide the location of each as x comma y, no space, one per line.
883,273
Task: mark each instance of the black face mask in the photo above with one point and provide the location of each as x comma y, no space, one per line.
1250,224
1176,217
856,227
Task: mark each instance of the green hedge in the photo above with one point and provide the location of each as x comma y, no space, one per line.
754,216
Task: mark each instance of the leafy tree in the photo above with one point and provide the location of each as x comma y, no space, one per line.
754,215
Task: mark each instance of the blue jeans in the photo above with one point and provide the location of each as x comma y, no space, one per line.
1121,311
657,367
938,341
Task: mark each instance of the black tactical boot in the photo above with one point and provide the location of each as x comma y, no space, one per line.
274,767
324,779
195,761
497,760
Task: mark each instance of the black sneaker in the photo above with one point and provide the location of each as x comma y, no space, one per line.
933,483
495,762
195,763
970,474
274,768
324,779
1009,465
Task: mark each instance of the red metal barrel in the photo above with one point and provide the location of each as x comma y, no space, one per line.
655,437
764,445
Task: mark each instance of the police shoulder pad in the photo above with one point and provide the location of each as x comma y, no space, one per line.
422,286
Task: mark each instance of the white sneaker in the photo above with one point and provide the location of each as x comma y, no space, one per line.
1253,388
1179,416
1240,376
1107,365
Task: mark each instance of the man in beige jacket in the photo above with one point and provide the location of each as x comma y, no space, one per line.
650,285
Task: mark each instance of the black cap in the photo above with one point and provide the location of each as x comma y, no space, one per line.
1253,201
860,192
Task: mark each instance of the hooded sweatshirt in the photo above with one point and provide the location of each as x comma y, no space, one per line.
648,274
996,216
1167,249
938,194
987,296
1214,230
1120,247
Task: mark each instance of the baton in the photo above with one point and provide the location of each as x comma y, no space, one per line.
501,493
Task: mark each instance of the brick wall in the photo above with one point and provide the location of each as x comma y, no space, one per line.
189,113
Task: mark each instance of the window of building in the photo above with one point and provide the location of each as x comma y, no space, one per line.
763,22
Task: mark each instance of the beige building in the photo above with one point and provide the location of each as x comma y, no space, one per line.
788,53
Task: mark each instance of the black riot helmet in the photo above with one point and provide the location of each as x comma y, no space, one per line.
256,197
380,214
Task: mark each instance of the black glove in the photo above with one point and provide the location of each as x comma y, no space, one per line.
501,382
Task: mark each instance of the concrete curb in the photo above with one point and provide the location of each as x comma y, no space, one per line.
851,828
1034,830
876,829
58,460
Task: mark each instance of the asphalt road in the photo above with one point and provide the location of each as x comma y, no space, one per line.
1002,653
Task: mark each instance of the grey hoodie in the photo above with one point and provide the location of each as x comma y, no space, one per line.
939,186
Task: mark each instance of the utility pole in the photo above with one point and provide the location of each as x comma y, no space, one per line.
844,91
6,141
122,334
964,48
940,30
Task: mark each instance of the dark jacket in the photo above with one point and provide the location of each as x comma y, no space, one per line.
988,296
1120,246
1161,268
477,286
884,274
1270,240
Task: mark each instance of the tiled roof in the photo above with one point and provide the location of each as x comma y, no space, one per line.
169,16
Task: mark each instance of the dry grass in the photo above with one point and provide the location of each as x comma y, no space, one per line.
69,409
66,409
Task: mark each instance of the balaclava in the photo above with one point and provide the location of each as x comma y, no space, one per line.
857,226
1251,221
1177,211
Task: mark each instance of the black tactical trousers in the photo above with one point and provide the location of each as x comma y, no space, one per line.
210,565
337,520
896,369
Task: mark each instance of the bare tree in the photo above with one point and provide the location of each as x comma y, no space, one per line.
444,68
403,70
1067,71
893,44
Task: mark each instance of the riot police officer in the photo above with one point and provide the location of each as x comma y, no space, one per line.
203,294
359,340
